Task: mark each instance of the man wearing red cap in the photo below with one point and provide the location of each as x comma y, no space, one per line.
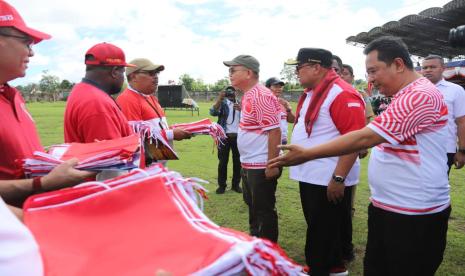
19,254
91,113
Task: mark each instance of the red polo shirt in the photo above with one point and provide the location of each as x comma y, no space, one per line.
91,114
139,107
18,134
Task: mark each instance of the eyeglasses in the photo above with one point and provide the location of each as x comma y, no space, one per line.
298,67
152,74
26,40
232,70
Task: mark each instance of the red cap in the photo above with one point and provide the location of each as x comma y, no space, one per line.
106,54
9,17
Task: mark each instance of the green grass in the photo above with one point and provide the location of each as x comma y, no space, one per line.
198,158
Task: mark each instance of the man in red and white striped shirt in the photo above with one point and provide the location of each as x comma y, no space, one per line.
407,173
257,140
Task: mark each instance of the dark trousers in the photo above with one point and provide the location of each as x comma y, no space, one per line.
346,231
259,195
407,245
325,221
230,144
450,160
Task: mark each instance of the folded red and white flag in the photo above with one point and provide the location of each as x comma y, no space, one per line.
118,154
141,222
205,127
155,142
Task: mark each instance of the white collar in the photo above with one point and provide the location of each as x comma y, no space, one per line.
137,92
442,82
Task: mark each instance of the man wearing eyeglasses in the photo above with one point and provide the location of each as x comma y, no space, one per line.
19,253
257,140
328,108
91,113
407,174
138,102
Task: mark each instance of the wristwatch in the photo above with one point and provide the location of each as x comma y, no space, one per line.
461,150
338,179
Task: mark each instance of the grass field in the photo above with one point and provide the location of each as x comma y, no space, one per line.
198,158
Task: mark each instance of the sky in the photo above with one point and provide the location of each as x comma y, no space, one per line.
196,36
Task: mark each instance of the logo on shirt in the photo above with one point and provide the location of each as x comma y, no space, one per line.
353,104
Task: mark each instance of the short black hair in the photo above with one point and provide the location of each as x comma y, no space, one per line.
390,48
99,67
338,60
349,68
429,57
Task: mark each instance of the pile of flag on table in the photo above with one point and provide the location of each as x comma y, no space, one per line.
205,127
139,223
117,154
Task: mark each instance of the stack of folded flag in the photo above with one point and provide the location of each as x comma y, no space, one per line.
155,141
206,127
117,154
139,223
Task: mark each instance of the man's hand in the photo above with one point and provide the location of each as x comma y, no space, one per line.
237,107
284,103
65,175
181,134
294,156
362,154
272,173
335,191
459,160
221,95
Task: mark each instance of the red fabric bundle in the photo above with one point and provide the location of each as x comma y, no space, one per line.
118,154
138,223
205,126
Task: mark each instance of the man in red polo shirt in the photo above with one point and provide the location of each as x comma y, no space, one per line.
91,113
19,253
138,102
18,134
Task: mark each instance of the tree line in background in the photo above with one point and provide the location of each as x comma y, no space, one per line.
51,88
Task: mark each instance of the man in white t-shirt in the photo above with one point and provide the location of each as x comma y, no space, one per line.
329,107
407,173
258,138
454,95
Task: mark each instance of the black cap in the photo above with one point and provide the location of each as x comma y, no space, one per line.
313,55
230,89
272,81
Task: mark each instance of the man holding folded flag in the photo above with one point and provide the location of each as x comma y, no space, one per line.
19,253
18,135
138,102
